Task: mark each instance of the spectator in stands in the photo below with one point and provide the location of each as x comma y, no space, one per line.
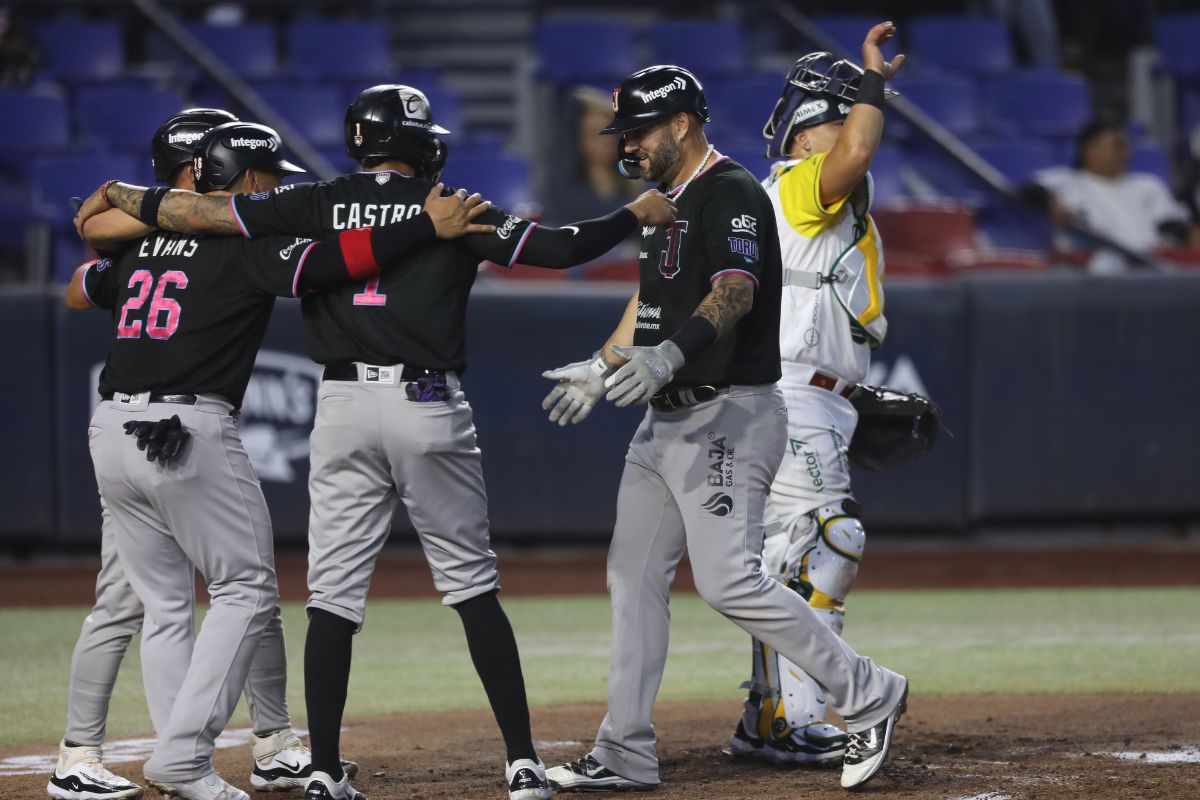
1135,209
587,184
19,59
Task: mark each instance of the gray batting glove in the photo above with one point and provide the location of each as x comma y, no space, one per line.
580,386
648,370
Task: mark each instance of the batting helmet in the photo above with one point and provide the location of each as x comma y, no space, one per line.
176,138
391,121
228,150
818,89
654,93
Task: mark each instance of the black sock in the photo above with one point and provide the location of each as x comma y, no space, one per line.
494,653
326,675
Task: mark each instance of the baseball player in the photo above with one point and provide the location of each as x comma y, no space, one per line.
826,126
700,344
281,761
392,421
189,315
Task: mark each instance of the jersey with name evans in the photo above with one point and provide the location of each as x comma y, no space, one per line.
414,312
725,225
190,312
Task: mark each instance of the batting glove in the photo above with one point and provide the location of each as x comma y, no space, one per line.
580,386
648,370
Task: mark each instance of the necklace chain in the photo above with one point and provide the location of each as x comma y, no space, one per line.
707,154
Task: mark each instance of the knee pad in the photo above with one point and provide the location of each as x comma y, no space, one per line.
827,568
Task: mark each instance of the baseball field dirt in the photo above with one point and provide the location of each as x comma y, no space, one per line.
948,747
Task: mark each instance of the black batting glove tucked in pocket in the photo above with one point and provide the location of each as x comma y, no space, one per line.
163,440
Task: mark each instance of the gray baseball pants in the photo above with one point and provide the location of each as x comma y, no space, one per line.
107,631
699,478
205,511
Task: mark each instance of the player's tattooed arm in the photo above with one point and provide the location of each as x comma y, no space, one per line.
180,210
731,297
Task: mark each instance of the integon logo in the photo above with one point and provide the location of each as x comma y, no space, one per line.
253,144
185,137
663,91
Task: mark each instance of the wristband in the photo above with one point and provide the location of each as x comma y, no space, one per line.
693,336
599,366
151,200
104,190
870,90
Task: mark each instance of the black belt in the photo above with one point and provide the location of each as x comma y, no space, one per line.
349,372
181,399
685,396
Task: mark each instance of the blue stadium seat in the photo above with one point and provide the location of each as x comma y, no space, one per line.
54,179
953,42
885,175
316,110
249,49
952,100
122,118
739,106
75,50
504,180
1018,160
34,120
849,31
1042,102
1149,157
1176,36
706,47
582,50
338,49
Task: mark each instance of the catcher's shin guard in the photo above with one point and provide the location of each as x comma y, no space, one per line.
824,572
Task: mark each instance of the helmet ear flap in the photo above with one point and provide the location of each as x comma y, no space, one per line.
433,166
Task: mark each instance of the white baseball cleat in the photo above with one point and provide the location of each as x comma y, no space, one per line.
867,750
211,787
281,762
589,775
526,780
321,786
80,775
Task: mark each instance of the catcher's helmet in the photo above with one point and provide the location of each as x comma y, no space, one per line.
228,150
818,89
176,138
653,93
391,121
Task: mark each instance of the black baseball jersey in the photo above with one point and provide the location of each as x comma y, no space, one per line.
414,312
190,311
725,224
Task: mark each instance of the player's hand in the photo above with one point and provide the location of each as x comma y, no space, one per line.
580,386
873,54
653,208
95,204
453,214
647,370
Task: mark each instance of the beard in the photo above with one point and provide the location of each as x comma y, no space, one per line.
664,158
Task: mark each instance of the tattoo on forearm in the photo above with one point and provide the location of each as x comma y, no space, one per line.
186,212
126,198
731,297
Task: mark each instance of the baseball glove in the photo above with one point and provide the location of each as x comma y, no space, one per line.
893,427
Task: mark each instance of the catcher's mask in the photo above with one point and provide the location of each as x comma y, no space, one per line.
818,89
392,121
649,95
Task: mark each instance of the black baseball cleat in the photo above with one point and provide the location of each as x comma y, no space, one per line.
867,750
321,786
743,744
589,775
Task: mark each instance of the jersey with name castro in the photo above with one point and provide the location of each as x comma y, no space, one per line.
190,312
414,312
725,226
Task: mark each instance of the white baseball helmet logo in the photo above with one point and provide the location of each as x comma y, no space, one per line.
415,105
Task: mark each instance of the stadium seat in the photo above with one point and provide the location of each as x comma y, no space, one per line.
122,118
959,43
249,49
339,49
75,50
35,120
316,110
706,47
1176,36
56,178
885,175
1149,157
849,31
1042,102
582,50
952,100
926,235
504,180
739,107
1017,160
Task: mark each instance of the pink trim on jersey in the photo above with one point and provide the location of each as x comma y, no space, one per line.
521,244
749,275
83,283
300,266
706,169
237,218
